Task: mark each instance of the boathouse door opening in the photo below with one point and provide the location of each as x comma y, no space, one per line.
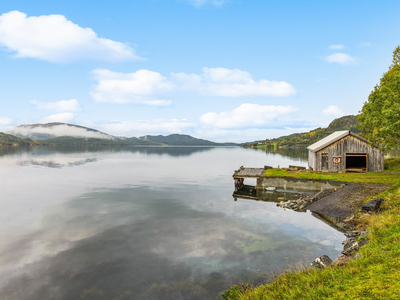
356,162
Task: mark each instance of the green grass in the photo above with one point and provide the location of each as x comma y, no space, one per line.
373,276
392,164
378,177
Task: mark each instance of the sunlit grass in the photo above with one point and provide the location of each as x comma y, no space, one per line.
369,177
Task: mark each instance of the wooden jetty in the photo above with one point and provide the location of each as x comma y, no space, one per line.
242,173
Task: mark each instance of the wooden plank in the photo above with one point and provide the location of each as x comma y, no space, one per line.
248,172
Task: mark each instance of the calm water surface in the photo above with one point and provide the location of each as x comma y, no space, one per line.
144,223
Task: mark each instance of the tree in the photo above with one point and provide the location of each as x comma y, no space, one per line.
380,116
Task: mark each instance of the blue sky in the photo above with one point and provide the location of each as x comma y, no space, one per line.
221,70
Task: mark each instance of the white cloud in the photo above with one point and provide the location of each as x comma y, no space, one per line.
54,38
144,86
5,120
337,47
130,87
63,105
231,83
144,127
340,58
61,117
333,110
248,115
58,130
198,3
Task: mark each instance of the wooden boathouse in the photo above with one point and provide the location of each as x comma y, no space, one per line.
344,151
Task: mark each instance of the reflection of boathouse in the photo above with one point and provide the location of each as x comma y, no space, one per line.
344,151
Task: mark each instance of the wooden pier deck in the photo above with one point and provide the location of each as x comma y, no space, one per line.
243,172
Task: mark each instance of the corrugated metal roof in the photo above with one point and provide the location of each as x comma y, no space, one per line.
330,139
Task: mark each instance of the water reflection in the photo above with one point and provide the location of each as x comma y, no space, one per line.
40,151
52,164
129,225
297,154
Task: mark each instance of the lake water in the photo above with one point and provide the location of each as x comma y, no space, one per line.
144,223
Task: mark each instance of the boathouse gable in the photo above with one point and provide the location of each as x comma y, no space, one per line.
344,151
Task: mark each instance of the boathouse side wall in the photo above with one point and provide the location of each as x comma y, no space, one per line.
347,145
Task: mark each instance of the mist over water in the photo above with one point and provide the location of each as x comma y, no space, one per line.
144,223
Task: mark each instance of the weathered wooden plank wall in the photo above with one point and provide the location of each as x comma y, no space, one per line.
349,144
311,160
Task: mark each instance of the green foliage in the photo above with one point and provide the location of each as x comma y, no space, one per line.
181,139
392,164
380,115
307,138
344,123
10,140
234,292
170,140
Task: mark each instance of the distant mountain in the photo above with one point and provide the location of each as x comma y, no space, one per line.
73,141
305,139
64,134
181,139
55,130
10,140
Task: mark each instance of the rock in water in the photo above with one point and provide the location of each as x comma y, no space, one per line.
322,262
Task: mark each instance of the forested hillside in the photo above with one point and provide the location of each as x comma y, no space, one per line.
305,139
10,140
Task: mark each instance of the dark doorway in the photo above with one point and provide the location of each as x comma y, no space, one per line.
356,162
324,162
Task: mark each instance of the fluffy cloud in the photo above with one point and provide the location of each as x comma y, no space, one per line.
144,86
130,87
231,83
54,38
63,105
198,3
5,121
144,127
247,115
337,47
333,110
61,117
340,58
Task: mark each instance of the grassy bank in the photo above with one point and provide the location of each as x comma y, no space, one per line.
373,276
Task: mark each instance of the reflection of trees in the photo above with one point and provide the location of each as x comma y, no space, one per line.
10,150
171,151
48,150
300,154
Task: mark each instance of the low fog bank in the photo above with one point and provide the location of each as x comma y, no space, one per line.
47,131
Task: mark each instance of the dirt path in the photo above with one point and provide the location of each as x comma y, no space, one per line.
344,202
